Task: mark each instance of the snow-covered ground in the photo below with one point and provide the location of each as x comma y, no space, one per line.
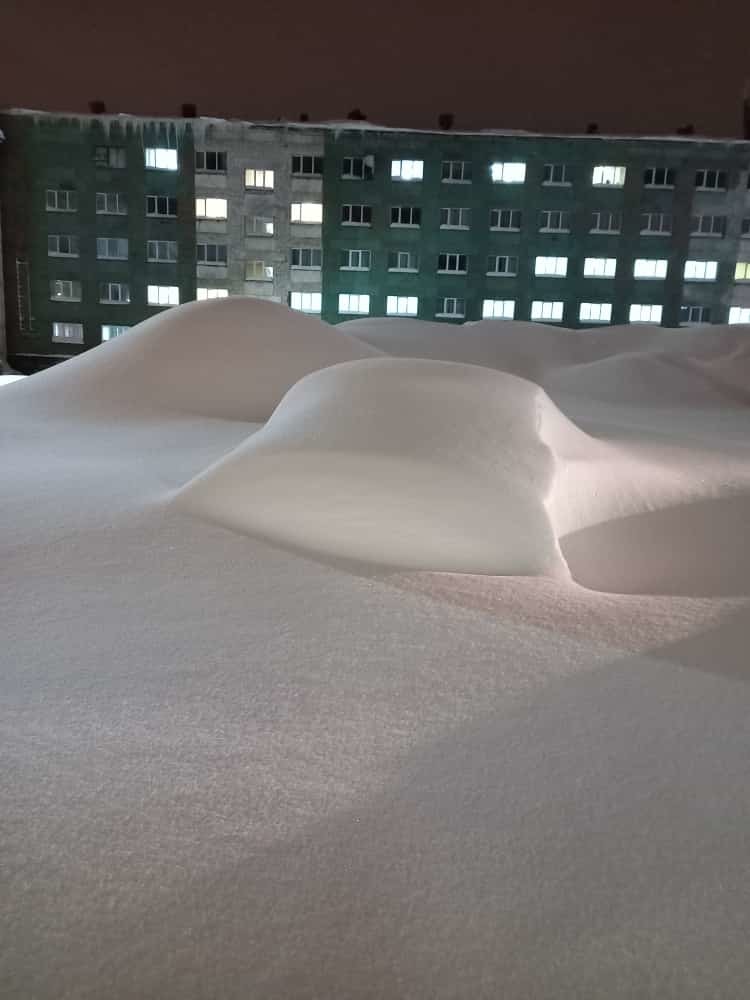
278,721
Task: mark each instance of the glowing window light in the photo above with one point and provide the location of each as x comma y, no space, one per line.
211,208
163,295
158,158
508,173
402,305
608,176
551,267
700,270
739,314
549,311
647,268
498,308
309,302
645,313
407,170
307,212
595,312
358,304
599,267
211,293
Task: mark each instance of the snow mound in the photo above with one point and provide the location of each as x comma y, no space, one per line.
230,358
405,463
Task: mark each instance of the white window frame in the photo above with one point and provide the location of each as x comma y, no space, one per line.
662,217
203,293
457,218
595,312
210,209
155,256
205,153
739,314
259,179
506,229
742,270
552,167
411,209
353,304
650,268
402,305
306,213
302,251
104,243
716,174
74,244
365,163
306,302
711,233
599,212
118,199
551,267
61,195
261,226
108,295
700,270
655,173
645,313
547,215
154,213
607,175
351,252
361,211
498,308
455,167
258,270
162,295
211,249
108,328
70,290
67,332
600,267
452,313
508,172
115,156
694,322
160,158
547,311
316,158
508,273
407,170
452,257
405,270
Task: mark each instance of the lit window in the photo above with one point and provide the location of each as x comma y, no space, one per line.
62,201
114,293
163,295
355,260
110,156
258,270
606,176
161,159
259,225
161,205
645,314
708,225
659,177
455,218
711,180
161,251
498,308
606,222
358,168
112,330
551,311
595,312
599,267
202,294
455,308
656,224
554,222
695,315
401,305
62,246
356,215
111,248
111,203
307,166
210,161
700,270
407,170
309,302
307,212
551,267
403,260
739,314
456,172
67,333
406,215
65,290
455,263
647,268
359,304
507,219
498,264
508,173
742,271
211,253
309,258
211,208
259,179
556,175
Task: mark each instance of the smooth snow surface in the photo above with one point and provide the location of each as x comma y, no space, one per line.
253,745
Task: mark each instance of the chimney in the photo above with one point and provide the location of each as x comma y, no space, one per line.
97,107
746,111
189,111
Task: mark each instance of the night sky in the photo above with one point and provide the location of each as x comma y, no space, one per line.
638,66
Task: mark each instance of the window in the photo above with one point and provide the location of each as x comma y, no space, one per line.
259,225
406,215
114,292
403,260
210,161
700,270
202,294
161,251
354,304
356,215
62,201
158,158
456,172
261,180
505,266
455,218
307,257
605,176
110,156
645,314
355,260
508,173
739,314
551,267
453,307
745,227
163,295
358,168
606,222
62,246
307,213
556,175
552,311
307,166
111,203
643,268
309,302
708,225
401,305
659,177
112,330
64,290
212,253
210,208
695,315
599,267
711,180
656,224
407,170
108,248
595,312
455,263
507,219
258,270
161,205
742,271
498,308
68,333
554,222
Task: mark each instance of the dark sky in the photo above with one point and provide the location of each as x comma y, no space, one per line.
637,66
